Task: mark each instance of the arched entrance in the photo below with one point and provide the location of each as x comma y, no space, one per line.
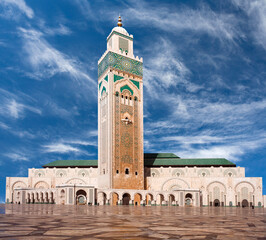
245,203
137,199
149,198
125,199
171,200
159,199
188,199
81,197
62,197
216,203
114,198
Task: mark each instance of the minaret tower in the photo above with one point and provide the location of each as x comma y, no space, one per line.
120,114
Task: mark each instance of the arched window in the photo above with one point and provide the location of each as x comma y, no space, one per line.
117,94
127,171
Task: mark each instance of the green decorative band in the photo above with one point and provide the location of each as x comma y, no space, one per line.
135,82
106,78
120,34
121,63
126,87
100,84
116,78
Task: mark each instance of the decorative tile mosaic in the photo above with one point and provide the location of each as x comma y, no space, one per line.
116,77
126,87
135,83
120,62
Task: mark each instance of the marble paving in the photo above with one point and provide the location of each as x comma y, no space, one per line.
129,222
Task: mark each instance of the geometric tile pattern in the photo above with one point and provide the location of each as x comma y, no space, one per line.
120,62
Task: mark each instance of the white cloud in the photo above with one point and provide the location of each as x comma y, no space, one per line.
80,142
4,126
48,61
256,12
15,157
203,19
60,148
201,139
20,5
10,107
168,70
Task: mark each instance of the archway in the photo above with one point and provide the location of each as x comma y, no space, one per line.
41,197
52,197
159,199
137,199
114,198
188,199
216,203
149,198
102,199
81,197
62,197
171,200
37,197
46,197
245,203
32,198
125,199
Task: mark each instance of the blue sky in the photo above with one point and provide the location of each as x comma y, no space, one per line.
204,79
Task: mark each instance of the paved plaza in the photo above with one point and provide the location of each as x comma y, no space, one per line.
129,222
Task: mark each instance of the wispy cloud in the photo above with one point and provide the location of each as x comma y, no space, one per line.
256,12
48,61
17,4
12,105
177,19
16,157
80,142
60,148
4,126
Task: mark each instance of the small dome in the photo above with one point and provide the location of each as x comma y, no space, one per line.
120,30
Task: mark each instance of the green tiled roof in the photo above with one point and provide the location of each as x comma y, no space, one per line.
72,163
182,162
159,155
152,160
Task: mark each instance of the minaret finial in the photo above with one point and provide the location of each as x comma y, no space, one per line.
119,24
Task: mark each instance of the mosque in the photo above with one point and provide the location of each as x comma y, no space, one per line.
123,174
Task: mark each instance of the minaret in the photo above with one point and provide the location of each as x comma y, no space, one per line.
120,114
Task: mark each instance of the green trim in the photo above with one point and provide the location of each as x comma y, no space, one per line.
135,83
72,163
126,87
116,78
106,78
104,89
152,160
120,34
121,63
100,84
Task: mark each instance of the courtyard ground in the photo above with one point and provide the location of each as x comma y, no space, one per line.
129,222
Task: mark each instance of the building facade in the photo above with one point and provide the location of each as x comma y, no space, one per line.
123,174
